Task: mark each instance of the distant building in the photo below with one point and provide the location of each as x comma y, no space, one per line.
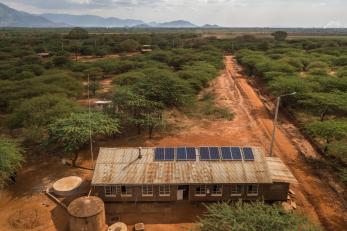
102,104
44,55
146,48
189,173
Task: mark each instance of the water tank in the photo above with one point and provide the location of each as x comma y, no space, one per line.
119,226
87,214
67,186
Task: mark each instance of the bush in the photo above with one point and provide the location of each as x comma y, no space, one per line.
255,216
11,159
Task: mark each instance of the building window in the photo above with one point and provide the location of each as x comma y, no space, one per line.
217,190
164,190
252,190
147,190
236,190
200,190
112,191
126,191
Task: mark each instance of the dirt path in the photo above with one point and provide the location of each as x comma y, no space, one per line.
314,195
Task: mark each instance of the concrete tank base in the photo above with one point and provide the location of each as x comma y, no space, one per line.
67,186
119,226
87,214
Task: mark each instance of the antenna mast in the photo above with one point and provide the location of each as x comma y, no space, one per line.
90,125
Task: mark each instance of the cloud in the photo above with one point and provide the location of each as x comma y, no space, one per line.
302,13
333,24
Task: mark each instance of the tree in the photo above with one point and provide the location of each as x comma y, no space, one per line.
138,110
10,159
164,87
329,130
36,113
72,132
255,216
78,33
338,149
280,35
41,110
129,45
335,102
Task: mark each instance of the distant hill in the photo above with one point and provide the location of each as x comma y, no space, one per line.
91,20
177,24
12,18
210,26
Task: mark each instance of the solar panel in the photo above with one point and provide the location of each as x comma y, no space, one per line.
191,153
214,153
204,153
181,154
169,153
236,153
248,153
226,153
159,154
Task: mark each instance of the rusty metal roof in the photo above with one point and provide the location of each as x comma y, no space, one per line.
279,171
122,166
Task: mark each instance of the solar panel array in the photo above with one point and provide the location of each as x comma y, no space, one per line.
205,153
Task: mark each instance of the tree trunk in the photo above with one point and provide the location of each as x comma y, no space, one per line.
322,115
139,129
325,151
150,131
74,159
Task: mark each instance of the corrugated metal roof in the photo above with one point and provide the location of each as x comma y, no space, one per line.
122,166
279,171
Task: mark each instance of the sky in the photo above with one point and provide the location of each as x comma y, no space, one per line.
232,13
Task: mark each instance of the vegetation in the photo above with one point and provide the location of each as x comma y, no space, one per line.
74,132
314,69
10,159
255,216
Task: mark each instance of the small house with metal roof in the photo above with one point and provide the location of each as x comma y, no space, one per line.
190,173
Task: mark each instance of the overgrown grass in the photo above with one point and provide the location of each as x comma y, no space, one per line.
206,107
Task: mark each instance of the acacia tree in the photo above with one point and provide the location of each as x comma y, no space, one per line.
10,159
95,74
323,102
138,110
256,216
72,133
329,130
78,33
280,35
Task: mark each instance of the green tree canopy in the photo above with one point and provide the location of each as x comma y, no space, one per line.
138,110
40,111
78,33
10,159
72,132
255,216
280,35
334,102
329,130
129,45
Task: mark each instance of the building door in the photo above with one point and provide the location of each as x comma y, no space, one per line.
180,194
183,192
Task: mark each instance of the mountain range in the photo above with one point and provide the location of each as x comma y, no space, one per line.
12,18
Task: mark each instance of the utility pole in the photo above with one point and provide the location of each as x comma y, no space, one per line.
275,120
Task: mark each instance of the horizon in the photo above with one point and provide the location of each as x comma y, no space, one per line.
225,13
